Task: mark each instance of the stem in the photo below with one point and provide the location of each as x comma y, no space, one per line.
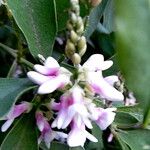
146,119
13,53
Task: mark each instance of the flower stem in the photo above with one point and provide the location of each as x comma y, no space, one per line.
13,53
146,119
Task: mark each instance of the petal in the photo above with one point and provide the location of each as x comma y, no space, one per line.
87,122
104,89
51,63
106,64
94,62
52,84
37,77
90,137
106,118
111,79
46,71
6,125
77,94
76,137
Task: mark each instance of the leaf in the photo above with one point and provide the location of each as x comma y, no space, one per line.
10,90
58,146
108,17
136,139
123,119
76,148
62,8
134,111
36,19
133,34
94,18
22,136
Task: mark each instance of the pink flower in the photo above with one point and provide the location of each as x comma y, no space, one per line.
15,112
71,106
103,117
77,136
47,134
100,85
50,76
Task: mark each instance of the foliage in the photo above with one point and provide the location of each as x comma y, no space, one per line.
117,29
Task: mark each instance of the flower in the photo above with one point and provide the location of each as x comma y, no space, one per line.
77,136
93,68
50,76
102,117
71,106
47,134
15,112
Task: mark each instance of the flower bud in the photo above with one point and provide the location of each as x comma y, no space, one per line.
70,48
74,37
76,59
79,22
83,50
69,26
73,18
81,42
80,30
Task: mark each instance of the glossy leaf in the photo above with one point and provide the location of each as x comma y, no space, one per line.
36,19
10,90
136,139
94,18
133,43
22,136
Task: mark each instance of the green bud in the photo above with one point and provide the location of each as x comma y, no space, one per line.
69,25
76,59
80,30
73,36
81,42
83,50
79,22
73,18
69,49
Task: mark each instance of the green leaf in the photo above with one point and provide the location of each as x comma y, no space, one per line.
22,136
58,146
62,7
133,43
136,139
94,18
76,148
10,90
125,120
36,19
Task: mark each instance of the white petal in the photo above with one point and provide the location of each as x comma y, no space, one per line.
106,64
51,63
53,84
76,137
46,71
87,123
77,94
94,62
90,137
111,79
6,125
37,77
104,89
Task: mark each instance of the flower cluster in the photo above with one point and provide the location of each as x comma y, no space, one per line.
75,110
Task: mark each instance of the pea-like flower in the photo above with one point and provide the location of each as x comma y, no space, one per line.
15,112
92,69
71,106
50,76
47,134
